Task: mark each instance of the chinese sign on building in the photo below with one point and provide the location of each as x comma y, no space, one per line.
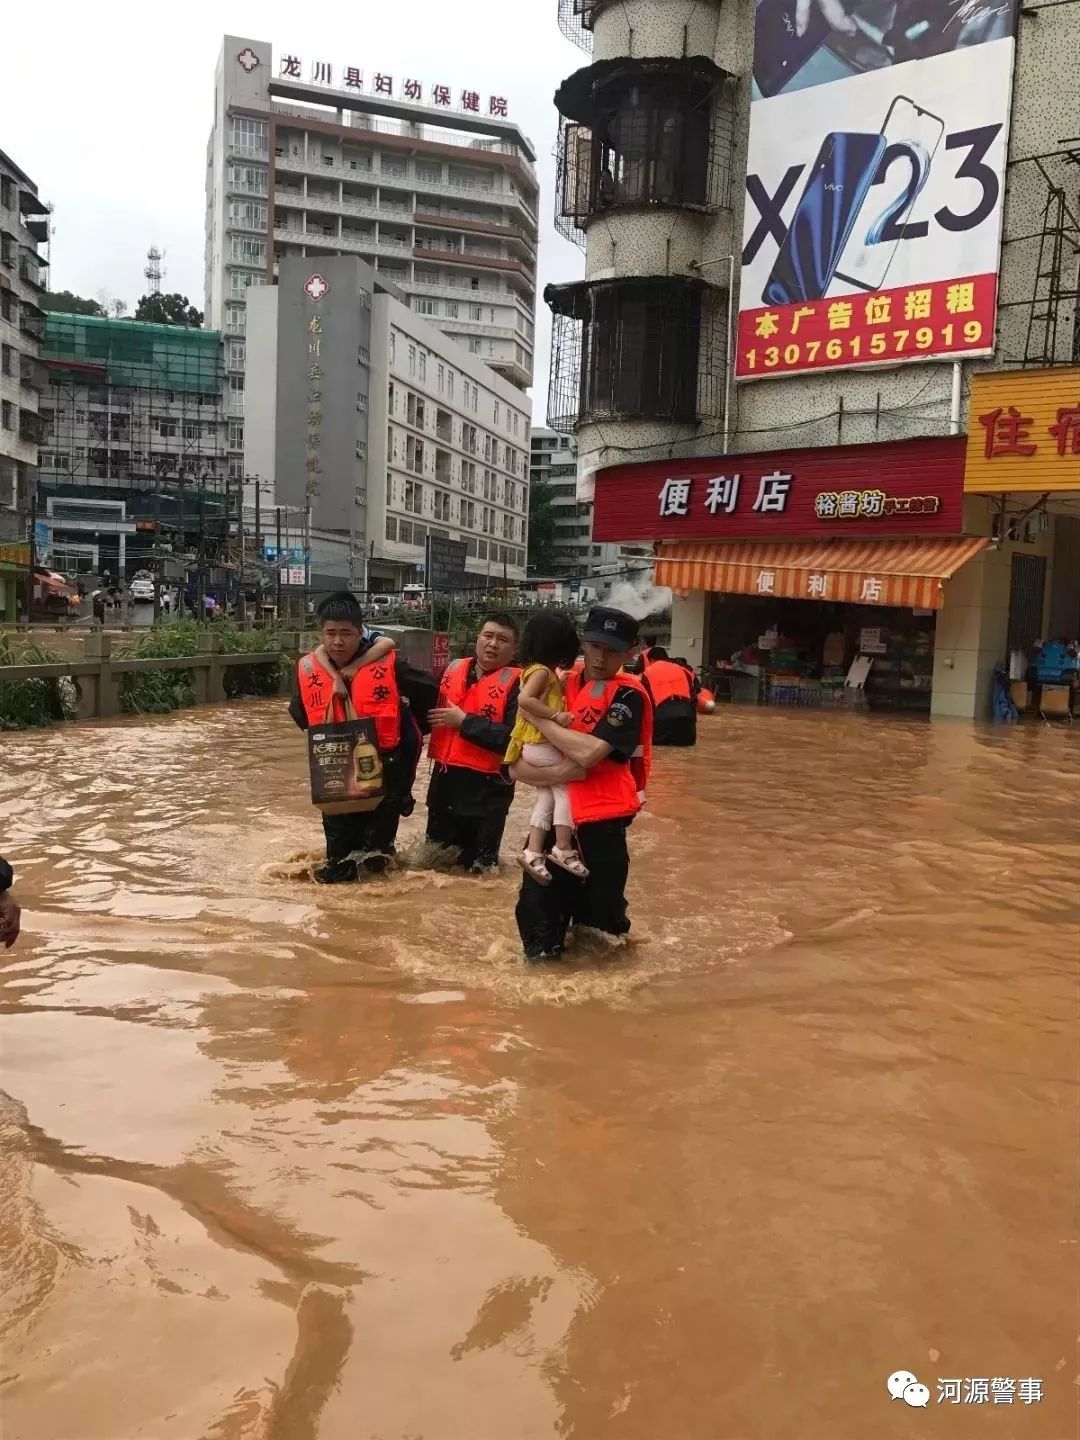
1024,431
874,189
911,487
315,288
392,87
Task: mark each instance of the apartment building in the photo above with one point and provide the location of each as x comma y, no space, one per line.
440,201
381,430
578,555
133,459
24,225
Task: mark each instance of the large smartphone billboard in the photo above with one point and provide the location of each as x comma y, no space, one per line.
875,182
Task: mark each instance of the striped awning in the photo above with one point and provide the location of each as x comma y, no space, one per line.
868,572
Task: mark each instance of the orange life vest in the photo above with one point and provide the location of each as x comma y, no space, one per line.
667,681
374,693
488,697
613,789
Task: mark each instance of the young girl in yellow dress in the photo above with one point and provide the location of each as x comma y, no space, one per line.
550,643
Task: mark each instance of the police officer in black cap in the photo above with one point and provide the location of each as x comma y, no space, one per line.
608,750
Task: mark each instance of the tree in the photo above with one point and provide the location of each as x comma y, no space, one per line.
63,302
172,309
541,528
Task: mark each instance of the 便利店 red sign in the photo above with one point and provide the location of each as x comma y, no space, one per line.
945,317
906,488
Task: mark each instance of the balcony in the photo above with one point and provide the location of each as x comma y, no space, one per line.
512,234
31,323
404,178
352,244
296,200
469,327
31,267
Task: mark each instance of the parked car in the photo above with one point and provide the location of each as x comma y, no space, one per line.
142,589
380,604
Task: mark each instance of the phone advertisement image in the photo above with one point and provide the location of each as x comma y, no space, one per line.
875,182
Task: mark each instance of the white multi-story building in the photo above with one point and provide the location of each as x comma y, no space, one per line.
442,202
24,224
576,555
370,420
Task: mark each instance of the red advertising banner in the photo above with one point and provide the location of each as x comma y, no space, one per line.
914,322
904,488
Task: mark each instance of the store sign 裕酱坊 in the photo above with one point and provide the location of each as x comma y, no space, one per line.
910,488
875,183
1024,431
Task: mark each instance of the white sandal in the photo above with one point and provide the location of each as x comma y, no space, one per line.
570,861
533,864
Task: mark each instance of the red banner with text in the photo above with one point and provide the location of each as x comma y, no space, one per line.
914,322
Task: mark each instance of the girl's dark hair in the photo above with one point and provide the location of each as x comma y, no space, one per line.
343,607
550,639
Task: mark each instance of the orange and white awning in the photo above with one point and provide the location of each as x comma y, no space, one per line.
871,572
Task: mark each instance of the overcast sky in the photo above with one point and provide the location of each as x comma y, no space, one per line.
108,109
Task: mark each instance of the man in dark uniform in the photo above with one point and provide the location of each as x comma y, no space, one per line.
673,688
9,911
470,794
608,750
369,833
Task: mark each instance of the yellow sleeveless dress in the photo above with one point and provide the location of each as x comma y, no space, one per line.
524,731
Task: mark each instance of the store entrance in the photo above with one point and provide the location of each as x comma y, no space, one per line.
799,652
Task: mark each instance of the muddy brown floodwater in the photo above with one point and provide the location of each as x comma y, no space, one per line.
292,1164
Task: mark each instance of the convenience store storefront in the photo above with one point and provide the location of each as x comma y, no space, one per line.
790,565
14,562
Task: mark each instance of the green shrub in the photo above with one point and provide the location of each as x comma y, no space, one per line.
30,704
157,693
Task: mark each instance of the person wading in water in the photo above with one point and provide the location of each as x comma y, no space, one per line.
608,750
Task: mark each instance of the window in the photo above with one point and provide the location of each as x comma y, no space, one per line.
391,528
450,384
248,137
7,359
496,413
414,497
481,549
451,309
442,506
424,307
389,490
404,532
393,346
476,312
361,450
251,178
475,345
363,355
241,280
248,251
361,402
7,192
415,413
7,306
236,434
414,455
7,415
423,365
248,214
237,353
192,430
430,173
468,514
412,359
167,428
7,251
235,317
442,377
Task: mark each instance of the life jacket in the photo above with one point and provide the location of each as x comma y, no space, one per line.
488,697
706,701
612,789
374,693
668,681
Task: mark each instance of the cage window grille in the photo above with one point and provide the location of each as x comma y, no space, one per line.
651,348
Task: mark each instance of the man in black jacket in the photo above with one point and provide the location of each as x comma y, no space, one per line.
468,802
370,833
9,911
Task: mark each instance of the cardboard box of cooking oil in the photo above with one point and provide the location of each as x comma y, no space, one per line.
345,766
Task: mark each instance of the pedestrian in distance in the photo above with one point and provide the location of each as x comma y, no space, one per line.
549,644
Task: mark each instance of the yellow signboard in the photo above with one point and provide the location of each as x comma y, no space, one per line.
1024,431
15,555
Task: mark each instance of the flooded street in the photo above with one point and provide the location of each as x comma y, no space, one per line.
283,1163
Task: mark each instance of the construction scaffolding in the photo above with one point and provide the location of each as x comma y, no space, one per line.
1039,308
134,413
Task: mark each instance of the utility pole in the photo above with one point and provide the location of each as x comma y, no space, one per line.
157,551
31,553
279,564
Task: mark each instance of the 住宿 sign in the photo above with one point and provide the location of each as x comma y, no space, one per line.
1024,431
